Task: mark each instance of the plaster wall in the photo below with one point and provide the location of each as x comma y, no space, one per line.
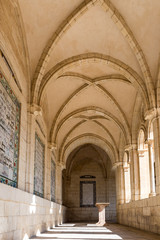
22,214
143,214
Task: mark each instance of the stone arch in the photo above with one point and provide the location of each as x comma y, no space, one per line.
88,138
116,64
80,90
121,24
126,132
80,123
141,139
136,120
76,151
22,77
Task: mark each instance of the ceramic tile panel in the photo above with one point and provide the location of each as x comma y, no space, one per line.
39,167
9,134
53,179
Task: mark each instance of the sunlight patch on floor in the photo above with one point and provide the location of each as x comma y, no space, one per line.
79,236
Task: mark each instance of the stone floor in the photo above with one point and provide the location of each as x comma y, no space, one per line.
91,231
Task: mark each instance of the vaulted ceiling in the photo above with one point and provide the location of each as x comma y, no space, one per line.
93,66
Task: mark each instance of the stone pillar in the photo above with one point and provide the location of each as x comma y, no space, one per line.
153,115
120,188
47,182
32,113
151,168
156,130
134,172
59,183
125,171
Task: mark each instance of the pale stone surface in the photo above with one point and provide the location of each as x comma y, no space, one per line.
86,72
101,209
21,215
91,231
143,214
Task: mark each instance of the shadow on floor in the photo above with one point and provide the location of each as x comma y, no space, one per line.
89,231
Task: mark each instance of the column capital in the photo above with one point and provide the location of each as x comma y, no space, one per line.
141,152
130,147
117,164
152,113
34,109
125,166
60,165
52,146
149,141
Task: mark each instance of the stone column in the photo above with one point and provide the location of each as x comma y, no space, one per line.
156,130
153,115
134,172
59,183
47,185
120,188
32,112
151,168
125,171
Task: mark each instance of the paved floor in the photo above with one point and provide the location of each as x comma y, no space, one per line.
91,231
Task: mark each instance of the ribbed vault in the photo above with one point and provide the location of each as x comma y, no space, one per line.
91,74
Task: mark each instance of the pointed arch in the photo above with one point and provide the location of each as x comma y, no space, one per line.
121,24
88,138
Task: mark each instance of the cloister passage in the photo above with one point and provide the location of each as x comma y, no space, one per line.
79,117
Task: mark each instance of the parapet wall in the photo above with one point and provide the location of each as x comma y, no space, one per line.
22,214
143,214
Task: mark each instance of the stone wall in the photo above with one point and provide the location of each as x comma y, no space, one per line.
22,214
143,214
105,192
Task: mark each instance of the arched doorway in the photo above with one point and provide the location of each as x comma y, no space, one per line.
87,179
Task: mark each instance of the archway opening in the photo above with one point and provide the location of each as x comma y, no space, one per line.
87,179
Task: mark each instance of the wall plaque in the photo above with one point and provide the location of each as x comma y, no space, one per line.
9,134
53,180
87,193
38,167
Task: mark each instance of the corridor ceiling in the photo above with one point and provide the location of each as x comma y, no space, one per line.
93,67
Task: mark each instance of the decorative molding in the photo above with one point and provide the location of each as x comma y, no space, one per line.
150,114
117,164
35,109
130,147
52,146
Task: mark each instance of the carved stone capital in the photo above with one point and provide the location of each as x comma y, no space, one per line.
35,109
117,164
130,147
141,152
52,146
149,141
152,113
125,166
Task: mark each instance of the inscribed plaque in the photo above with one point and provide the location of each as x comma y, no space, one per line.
9,134
87,193
38,167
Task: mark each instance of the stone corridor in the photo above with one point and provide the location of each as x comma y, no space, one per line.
91,231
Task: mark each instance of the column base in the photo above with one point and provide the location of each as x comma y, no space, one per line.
152,194
100,224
